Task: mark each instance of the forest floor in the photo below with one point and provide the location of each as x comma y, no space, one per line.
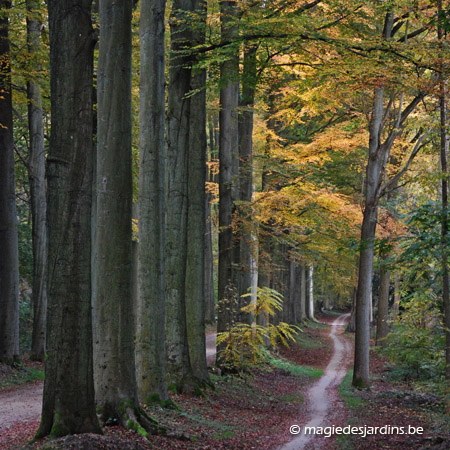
255,411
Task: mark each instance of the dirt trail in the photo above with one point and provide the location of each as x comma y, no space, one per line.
23,404
20,406
321,395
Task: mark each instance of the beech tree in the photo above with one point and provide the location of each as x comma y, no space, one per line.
9,263
228,145
186,176
379,150
114,359
151,315
36,174
68,403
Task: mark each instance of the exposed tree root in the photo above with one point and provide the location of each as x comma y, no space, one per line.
138,420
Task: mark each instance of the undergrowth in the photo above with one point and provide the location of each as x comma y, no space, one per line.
21,375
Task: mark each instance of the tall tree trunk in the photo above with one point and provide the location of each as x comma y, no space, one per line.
310,292
210,315
114,359
444,190
196,220
178,115
292,315
68,403
303,292
299,315
383,306
378,156
228,143
150,329
9,260
245,130
397,296
351,326
36,175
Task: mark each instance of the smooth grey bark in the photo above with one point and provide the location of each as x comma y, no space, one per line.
150,342
228,143
36,175
383,307
9,260
68,401
114,358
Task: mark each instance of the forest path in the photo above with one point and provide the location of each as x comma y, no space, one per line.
23,404
20,406
322,395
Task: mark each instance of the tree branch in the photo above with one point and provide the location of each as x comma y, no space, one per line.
393,181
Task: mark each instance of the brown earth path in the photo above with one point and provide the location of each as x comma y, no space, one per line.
323,395
22,405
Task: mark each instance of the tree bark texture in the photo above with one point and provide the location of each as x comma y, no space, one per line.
150,345
178,116
9,260
36,175
68,402
114,360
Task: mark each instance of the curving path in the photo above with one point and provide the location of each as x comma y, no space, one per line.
320,396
